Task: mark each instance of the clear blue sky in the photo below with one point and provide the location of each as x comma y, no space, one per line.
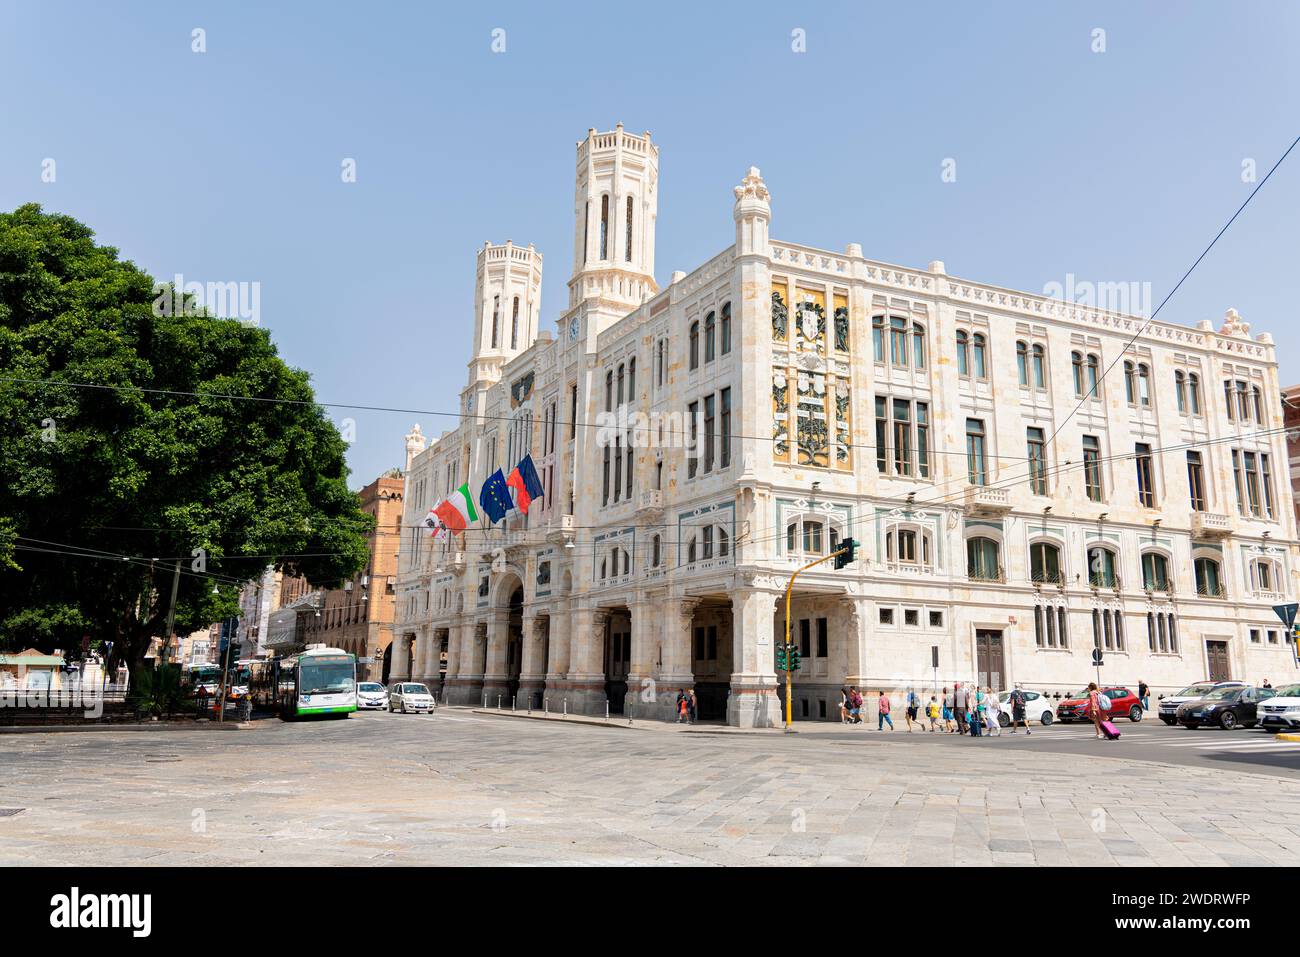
1117,166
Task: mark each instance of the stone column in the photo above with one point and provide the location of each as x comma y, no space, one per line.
586,681
643,691
557,665
532,670
754,700
855,617
467,687
678,669
494,673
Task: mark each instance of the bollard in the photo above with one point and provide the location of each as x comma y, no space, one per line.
513,699
546,705
607,710
530,704
566,707
498,702
485,699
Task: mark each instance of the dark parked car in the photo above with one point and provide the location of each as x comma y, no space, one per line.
1226,708
1123,704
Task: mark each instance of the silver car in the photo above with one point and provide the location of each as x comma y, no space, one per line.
410,696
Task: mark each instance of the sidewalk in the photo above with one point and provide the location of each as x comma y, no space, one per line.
673,727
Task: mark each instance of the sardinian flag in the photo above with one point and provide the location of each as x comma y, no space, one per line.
434,524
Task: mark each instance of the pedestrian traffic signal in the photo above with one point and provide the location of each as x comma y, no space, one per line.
780,656
848,546
794,657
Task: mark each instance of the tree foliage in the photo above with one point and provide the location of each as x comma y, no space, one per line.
121,470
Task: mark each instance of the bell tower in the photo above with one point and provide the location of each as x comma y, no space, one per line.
507,302
615,207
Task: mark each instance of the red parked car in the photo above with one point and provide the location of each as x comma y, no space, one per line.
1123,704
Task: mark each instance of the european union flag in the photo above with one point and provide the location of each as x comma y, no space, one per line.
495,497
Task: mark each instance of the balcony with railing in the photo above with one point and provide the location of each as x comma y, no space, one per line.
1160,585
987,500
649,502
1211,589
996,575
1100,580
1043,577
1211,525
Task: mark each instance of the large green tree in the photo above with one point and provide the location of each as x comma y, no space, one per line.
139,469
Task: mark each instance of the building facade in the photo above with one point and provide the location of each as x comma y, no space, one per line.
358,615
1027,478
258,600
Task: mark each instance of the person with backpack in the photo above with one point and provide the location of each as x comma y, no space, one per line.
855,706
913,706
932,712
1098,705
1017,701
883,712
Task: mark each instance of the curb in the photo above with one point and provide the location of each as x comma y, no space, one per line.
645,725
1294,738
592,722
151,726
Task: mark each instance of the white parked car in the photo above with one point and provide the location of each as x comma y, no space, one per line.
1169,703
407,696
371,695
1037,707
1282,711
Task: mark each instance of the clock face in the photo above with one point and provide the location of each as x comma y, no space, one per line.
573,329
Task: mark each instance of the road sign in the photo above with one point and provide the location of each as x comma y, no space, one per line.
1096,657
1286,613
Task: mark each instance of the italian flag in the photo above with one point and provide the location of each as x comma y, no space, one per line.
457,512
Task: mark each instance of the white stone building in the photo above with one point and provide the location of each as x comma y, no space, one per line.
828,396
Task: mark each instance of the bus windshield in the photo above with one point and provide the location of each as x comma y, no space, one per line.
327,676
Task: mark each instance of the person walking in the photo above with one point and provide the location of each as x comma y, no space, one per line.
1017,702
1144,695
948,724
681,705
692,706
932,712
961,703
913,706
1095,707
992,709
855,706
883,712
844,705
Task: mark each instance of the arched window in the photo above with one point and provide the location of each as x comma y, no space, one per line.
620,379
604,226
631,379
878,338
656,551
609,391
1144,384
963,352
979,356
1209,578
1265,575
1257,401
628,254
812,537
1040,366
1094,375
710,337
695,345
514,325
1102,563
898,341
1076,371
1022,362
908,546
918,345
724,542
690,551
1155,571
724,344
1130,384
1045,563
1194,393
1180,390
983,560
496,320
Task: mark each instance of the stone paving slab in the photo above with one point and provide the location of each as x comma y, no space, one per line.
461,788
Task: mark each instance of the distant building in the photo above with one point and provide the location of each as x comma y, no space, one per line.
258,599
358,615
287,628
1291,420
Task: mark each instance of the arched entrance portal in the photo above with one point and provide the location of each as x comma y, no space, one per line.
514,643
388,662
618,658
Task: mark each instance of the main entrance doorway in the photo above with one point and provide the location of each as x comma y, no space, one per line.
618,657
514,643
1217,654
989,664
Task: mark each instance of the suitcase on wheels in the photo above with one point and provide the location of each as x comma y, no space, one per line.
1109,730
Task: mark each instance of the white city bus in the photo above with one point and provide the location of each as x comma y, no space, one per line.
317,681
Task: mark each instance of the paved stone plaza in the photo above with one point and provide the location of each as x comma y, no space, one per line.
463,788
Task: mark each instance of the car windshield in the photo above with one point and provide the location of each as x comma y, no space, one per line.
414,689
1195,691
1223,694
1288,691
369,686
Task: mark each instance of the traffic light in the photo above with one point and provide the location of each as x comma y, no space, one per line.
780,656
794,657
849,546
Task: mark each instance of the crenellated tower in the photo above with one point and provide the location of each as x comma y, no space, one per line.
615,207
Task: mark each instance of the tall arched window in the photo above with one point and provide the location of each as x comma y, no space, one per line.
979,356
1130,384
710,337
1076,371
963,352
1194,393
609,391
1155,571
724,332
619,393
1040,366
983,561
631,379
1209,578
656,551
694,347
1022,362
1101,567
604,226
1045,563
628,255
918,345
1094,375
878,338
496,320
514,326
1180,390
1144,384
